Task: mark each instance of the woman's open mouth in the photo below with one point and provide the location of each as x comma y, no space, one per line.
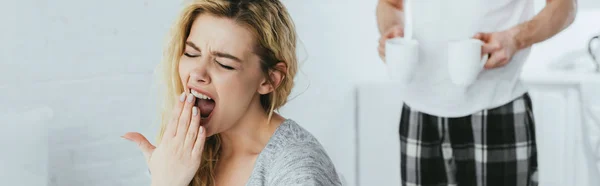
205,104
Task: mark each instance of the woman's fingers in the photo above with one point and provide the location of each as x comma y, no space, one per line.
199,145
143,143
192,132
184,119
172,125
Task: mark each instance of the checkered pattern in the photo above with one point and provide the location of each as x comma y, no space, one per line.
494,147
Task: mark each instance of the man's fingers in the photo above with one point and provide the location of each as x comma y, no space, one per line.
172,125
485,37
184,119
489,48
478,36
381,54
388,34
393,32
398,32
143,143
497,59
381,48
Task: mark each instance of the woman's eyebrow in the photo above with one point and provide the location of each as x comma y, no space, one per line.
216,53
189,43
226,55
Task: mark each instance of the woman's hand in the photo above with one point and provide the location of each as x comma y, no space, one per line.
175,161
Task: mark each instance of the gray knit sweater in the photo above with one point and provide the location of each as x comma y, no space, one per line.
293,157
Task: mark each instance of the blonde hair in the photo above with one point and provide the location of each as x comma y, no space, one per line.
275,38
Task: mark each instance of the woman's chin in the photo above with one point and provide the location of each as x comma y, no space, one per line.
209,130
209,126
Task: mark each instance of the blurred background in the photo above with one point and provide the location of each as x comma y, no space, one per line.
76,75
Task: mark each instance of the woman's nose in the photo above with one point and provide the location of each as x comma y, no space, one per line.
200,75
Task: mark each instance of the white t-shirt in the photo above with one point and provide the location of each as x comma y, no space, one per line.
436,22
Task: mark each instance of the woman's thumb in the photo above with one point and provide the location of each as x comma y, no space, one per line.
142,142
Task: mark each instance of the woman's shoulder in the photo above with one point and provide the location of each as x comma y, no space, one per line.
291,137
290,132
300,157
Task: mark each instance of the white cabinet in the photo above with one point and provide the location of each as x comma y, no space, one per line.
378,116
567,120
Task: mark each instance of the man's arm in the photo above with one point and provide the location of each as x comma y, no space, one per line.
555,17
389,13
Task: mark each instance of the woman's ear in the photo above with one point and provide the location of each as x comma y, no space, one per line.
276,76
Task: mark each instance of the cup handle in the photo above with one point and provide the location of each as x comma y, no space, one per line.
590,50
484,59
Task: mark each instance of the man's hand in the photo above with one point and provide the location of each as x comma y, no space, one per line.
556,16
392,32
501,46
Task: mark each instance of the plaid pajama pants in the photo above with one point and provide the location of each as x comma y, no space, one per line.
494,147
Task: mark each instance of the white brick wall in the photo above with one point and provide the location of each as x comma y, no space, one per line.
90,115
92,63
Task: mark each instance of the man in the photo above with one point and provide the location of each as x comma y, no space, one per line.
482,134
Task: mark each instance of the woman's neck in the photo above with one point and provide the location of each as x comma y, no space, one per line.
251,134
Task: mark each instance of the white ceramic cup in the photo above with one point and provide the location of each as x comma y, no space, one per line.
465,61
401,57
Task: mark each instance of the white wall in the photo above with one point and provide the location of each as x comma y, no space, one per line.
340,42
92,63
575,37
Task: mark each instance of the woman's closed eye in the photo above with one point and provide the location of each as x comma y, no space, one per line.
191,55
224,66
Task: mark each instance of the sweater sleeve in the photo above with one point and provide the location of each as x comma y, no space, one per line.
304,166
